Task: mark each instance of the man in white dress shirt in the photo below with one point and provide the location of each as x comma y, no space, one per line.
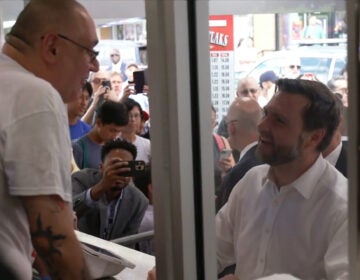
288,219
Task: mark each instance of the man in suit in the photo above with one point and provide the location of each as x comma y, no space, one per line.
336,152
247,87
242,118
107,203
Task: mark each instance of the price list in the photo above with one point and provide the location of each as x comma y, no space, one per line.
222,81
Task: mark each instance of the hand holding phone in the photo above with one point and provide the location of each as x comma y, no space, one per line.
137,167
139,80
225,153
106,84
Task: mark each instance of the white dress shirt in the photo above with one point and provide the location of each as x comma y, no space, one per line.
299,230
334,155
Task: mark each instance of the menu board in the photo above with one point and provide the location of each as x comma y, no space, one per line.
221,63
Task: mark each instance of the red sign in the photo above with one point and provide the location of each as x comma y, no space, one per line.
221,35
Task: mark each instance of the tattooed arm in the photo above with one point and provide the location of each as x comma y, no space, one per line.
52,233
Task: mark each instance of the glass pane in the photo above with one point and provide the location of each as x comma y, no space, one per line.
258,42
263,35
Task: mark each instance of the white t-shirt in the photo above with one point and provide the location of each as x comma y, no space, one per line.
142,99
35,155
299,230
143,147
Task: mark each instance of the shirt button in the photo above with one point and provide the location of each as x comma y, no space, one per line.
267,231
262,260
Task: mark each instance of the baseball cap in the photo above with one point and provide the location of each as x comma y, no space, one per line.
115,51
268,76
145,115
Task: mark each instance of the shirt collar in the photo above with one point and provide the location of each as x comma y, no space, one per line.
246,149
334,155
307,181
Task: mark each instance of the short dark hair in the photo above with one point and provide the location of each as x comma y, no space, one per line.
131,103
323,111
111,112
117,144
87,86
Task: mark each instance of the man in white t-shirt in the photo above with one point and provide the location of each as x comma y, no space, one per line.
44,62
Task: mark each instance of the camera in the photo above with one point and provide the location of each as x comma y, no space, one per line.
139,165
106,84
137,168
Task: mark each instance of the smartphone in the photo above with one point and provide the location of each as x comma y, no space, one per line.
106,84
225,153
137,168
139,80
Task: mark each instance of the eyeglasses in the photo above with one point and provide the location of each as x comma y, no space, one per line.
294,66
92,54
134,116
99,80
248,90
112,55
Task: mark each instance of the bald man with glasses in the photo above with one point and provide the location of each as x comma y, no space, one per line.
44,63
247,87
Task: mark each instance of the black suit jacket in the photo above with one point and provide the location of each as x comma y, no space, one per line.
341,163
248,161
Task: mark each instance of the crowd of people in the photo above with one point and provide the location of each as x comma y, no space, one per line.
279,159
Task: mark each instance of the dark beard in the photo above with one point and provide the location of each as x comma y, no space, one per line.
281,154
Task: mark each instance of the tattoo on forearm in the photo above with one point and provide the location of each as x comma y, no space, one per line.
48,241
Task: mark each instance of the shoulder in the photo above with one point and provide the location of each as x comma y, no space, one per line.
260,170
37,91
84,124
335,183
83,141
254,178
87,175
142,140
77,143
132,191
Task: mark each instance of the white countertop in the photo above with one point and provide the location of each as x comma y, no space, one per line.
143,262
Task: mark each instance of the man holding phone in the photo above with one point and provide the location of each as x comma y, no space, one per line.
137,88
107,203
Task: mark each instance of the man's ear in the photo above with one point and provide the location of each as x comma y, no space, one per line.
50,48
98,122
231,128
315,137
101,167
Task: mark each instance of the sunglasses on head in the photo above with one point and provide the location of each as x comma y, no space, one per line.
294,66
